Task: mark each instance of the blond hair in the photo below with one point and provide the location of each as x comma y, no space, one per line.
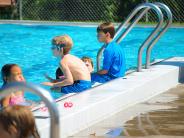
64,41
20,119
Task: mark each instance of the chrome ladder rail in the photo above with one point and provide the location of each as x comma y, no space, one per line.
165,28
45,96
119,29
146,7
99,54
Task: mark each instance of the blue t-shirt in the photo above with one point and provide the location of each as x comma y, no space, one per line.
114,60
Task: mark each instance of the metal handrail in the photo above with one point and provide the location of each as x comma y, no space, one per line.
150,37
45,96
119,29
169,17
99,57
20,9
146,7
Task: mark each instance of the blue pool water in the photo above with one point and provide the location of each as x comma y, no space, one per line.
29,46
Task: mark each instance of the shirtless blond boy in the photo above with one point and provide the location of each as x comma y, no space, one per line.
76,74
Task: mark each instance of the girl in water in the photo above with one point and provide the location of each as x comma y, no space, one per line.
12,73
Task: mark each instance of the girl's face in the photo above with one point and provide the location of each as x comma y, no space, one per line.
16,75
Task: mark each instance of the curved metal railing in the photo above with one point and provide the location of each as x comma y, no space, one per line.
165,28
145,7
99,54
45,96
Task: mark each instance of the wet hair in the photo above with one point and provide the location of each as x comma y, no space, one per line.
6,72
19,118
84,59
106,27
63,41
59,73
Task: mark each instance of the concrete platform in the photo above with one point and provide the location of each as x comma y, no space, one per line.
101,102
160,116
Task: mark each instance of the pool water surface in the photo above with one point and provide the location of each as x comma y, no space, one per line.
29,46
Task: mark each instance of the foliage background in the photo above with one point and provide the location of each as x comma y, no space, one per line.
84,10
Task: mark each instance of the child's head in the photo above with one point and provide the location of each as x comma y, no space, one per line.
89,63
62,44
105,31
11,73
17,122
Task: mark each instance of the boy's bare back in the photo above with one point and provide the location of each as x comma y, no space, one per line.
76,74
74,67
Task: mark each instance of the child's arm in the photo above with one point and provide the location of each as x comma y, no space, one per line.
53,80
68,80
49,78
102,72
107,62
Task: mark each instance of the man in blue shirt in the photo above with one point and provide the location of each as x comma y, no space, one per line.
114,58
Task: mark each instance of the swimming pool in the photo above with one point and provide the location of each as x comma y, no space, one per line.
29,46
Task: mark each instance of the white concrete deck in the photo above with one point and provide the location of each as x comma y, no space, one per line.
99,103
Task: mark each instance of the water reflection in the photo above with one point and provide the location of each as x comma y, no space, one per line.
160,123
159,117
